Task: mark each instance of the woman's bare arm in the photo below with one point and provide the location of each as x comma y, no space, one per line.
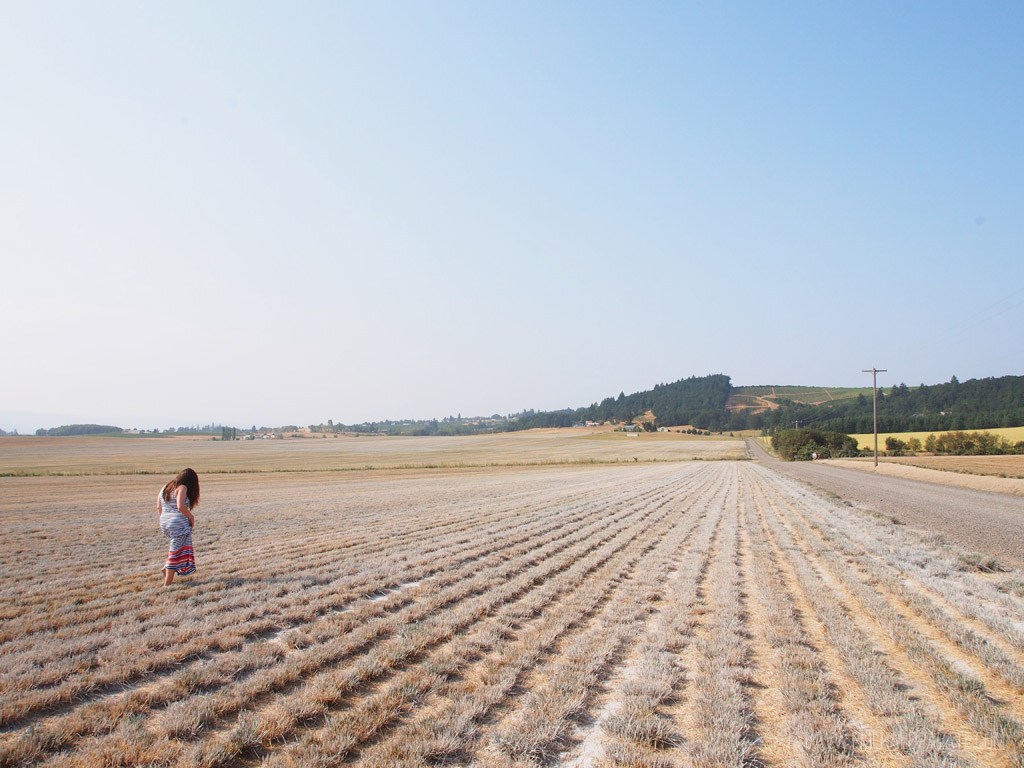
180,496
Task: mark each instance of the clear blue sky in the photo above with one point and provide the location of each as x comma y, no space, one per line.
284,213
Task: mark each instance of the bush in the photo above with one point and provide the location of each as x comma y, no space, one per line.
802,444
971,444
894,446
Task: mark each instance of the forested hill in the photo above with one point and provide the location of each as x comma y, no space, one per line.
704,402
80,429
974,404
696,400
701,402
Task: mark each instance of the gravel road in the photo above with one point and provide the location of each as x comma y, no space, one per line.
991,523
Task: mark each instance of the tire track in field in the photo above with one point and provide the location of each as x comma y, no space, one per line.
993,643
800,708
576,610
612,500
926,556
1000,638
632,726
200,650
911,731
505,717
961,699
912,659
703,498
359,644
197,653
450,724
948,570
540,723
338,741
142,704
373,541
978,653
79,616
1004,684
849,691
719,722
777,650
210,606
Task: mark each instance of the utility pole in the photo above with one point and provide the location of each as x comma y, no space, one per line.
874,396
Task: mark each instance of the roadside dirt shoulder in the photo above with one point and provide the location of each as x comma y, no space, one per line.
984,522
1009,485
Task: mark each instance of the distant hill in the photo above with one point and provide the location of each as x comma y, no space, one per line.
696,400
79,429
711,402
974,404
769,398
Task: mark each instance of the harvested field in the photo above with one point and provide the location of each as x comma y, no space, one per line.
166,456
981,514
867,441
988,483
761,399
697,613
995,466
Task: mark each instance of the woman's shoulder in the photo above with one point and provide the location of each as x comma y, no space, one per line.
182,491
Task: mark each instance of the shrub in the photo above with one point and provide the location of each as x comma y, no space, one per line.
971,444
894,446
802,444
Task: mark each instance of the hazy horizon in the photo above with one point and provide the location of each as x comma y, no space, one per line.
439,417
252,213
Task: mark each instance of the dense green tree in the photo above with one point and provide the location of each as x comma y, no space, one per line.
802,444
80,429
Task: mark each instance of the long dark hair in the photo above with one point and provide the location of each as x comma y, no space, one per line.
188,478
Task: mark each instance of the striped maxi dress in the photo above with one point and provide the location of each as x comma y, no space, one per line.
176,527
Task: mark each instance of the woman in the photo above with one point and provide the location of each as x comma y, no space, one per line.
176,501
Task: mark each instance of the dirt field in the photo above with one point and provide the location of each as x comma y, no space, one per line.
935,503
993,466
930,473
689,613
152,455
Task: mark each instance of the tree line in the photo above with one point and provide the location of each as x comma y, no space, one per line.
956,444
990,403
79,429
699,401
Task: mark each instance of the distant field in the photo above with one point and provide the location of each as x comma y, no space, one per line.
804,394
1013,434
768,397
997,466
114,455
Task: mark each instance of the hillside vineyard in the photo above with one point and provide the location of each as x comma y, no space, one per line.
700,613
